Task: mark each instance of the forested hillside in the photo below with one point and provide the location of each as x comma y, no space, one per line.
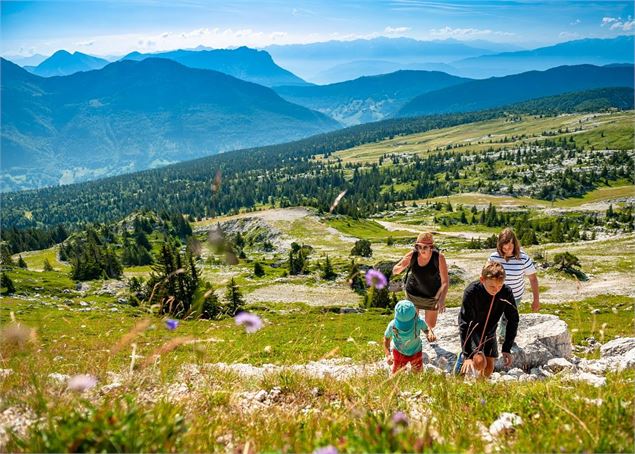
287,174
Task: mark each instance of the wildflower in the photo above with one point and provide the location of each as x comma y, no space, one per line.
375,278
251,322
483,401
171,324
400,419
330,449
81,383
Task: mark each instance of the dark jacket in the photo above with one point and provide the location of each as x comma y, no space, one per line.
476,304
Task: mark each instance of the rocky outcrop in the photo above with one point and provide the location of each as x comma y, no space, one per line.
540,338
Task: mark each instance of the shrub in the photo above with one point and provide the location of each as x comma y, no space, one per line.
362,248
259,271
6,284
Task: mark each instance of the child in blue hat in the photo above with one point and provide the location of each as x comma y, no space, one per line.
404,331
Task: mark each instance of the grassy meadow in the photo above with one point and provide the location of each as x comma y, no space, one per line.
209,386
600,131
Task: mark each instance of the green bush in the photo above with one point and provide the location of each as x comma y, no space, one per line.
116,426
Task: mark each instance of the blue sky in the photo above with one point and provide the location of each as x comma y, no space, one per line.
118,27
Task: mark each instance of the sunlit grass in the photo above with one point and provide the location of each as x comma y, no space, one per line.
35,259
617,127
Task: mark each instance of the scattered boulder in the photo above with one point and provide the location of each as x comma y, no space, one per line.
540,338
111,287
505,423
592,379
82,287
618,347
559,364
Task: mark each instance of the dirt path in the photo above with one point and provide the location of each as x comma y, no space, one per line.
323,295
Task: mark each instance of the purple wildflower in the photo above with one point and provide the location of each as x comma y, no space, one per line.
330,449
400,419
251,322
483,401
375,278
81,383
171,324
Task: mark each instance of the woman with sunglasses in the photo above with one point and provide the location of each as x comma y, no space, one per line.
427,282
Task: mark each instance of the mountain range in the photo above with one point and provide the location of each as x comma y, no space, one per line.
63,63
584,51
243,63
367,99
499,91
336,61
134,115
143,111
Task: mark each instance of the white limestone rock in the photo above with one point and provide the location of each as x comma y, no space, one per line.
559,364
505,423
618,347
540,338
592,379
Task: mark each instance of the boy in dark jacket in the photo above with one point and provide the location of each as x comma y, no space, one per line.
484,303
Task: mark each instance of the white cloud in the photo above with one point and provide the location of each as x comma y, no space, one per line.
466,33
396,30
608,20
575,22
300,12
618,23
86,43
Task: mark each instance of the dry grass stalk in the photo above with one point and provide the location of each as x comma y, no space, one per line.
130,335
166,348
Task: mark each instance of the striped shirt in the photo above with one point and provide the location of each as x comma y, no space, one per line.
515,271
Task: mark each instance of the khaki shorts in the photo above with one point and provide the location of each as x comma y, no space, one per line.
422,302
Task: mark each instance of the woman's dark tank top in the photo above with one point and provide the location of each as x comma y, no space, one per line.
424,281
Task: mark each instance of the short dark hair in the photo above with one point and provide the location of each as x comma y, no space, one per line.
493,270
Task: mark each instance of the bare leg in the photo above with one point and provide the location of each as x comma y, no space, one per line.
489,367
431,318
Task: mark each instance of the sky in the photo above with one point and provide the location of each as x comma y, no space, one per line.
117,27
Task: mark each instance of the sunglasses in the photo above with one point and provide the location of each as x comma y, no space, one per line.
423,247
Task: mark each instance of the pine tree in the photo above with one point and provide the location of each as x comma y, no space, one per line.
5,256
234,298
47,265
174,281
6,284
328,273
259,271
22,263
211,306
355,279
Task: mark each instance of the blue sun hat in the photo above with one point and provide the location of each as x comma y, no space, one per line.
405,314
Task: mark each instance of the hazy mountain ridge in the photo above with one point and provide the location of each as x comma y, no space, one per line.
585,51
243,63
63,63
134,115
370,98
328,62
499,91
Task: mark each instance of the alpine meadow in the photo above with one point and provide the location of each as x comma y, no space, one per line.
317,226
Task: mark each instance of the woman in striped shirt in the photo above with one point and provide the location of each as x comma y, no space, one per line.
517,265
